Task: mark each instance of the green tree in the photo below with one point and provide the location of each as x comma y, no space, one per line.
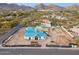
25,22
54,22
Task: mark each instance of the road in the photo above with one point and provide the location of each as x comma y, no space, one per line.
8,34
30,51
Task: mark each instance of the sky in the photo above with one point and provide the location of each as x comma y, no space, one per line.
58,4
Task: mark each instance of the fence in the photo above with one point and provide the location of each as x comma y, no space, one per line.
22,45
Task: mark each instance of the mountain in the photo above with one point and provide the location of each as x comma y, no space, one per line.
50,7
40,6
13,6
72,8
54,7
5,6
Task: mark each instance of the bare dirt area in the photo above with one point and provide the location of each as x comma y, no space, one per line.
57,37
60,37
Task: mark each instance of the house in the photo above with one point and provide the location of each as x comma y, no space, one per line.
34,34
46,22
41,35
29,33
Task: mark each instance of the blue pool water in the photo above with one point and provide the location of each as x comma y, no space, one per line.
44,26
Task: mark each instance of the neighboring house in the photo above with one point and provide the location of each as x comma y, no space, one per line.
46,22
59,17
45,16
43,21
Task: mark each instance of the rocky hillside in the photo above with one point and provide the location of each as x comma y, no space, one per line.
13,6
72,8
50,6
